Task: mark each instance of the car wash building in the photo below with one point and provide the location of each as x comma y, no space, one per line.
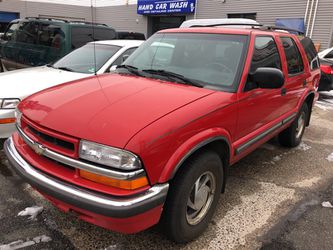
314,17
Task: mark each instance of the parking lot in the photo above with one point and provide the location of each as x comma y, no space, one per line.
273,200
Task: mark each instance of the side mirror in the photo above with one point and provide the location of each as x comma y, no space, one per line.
113,68
268,78
125,57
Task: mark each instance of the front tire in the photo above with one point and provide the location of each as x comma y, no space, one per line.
193,197
292,136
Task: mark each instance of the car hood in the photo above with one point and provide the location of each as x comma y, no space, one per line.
24,82
108,109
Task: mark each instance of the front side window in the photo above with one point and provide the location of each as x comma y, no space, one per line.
87,59
294,59
11,31
27,33
266,55
211,59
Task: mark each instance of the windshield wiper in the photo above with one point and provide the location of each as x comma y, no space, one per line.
170,74
65,68
131,69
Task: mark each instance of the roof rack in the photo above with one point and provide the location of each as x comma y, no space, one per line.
84,22
276,28
48,19
260,26
65,21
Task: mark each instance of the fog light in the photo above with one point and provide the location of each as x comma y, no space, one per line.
124,184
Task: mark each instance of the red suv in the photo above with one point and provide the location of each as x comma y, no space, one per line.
153,142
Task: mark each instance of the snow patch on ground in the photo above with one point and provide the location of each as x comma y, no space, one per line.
327,204
330,157
277,158
22,244
268,146
112,247
303,147
307,182
323,106
31,211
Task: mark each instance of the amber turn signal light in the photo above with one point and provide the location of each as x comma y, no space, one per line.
124,184
7,120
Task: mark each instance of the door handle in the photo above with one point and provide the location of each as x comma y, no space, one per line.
283,91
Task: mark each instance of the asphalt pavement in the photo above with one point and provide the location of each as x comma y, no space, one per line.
273,200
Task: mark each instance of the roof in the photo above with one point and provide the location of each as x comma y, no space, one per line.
121,43
210,30
205,22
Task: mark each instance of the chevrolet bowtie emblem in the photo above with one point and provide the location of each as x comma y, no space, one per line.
39,149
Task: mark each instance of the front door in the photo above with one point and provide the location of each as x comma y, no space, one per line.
258,108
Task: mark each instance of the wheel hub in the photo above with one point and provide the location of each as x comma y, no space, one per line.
200,198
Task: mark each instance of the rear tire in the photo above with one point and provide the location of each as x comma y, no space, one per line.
193,197
292,136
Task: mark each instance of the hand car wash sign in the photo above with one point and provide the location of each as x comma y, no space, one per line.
146,7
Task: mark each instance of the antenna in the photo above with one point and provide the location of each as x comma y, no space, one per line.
93,35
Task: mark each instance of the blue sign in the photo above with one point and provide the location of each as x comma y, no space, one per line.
153,7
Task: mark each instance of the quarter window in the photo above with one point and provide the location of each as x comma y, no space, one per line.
294,59
311,53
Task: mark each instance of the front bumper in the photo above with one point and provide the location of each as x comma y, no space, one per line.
7,129
116,207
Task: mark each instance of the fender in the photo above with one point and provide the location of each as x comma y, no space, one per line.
190,146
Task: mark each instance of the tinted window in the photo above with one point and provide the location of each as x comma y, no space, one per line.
12,31
83,35
51,35
212,59
311,52
294,59
27,33
123,56
83,59
265,54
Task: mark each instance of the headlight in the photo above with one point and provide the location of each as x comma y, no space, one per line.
9,103
18,116
108,156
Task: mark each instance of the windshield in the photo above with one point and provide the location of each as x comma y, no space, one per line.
82,60
210,59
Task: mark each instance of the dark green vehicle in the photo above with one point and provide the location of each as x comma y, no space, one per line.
36,41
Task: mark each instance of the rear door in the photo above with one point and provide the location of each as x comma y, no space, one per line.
297,73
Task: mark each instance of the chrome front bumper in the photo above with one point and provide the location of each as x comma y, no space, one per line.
116,207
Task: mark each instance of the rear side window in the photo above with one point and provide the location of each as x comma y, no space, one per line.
311,53
294,59
83,35
265,54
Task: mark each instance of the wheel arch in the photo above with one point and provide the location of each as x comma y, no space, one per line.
219,144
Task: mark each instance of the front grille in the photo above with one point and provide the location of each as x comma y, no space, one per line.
52,140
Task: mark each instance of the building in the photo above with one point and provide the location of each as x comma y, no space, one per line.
148,16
